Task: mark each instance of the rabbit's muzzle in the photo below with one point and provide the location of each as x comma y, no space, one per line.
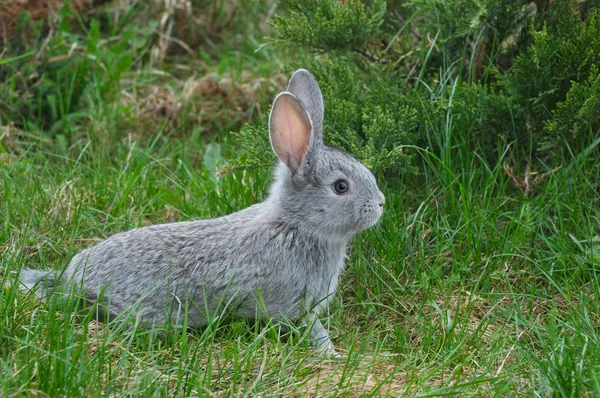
371,210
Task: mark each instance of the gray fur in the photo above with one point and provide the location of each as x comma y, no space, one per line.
287,251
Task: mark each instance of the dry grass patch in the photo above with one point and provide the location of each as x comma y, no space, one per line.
185,25
16,140
364,376
209,100
11,10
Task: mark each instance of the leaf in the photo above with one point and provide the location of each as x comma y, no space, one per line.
212,160
12,59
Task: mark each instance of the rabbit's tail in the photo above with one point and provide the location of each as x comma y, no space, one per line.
42,282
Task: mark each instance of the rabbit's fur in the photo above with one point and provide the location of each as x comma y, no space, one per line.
281,258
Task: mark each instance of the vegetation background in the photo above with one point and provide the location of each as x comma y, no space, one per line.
481,119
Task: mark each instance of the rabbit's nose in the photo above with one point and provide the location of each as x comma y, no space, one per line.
381,199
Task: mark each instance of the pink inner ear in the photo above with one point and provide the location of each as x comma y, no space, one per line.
297,141
291,129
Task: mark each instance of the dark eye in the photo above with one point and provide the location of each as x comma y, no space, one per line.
341,187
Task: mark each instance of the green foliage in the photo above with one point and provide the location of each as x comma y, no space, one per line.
501,71
473,29
59,75
362,122
359,121
258,154
483,34
555,74
577,113
75,58
328,24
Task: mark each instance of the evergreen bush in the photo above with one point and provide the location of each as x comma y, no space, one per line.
395,74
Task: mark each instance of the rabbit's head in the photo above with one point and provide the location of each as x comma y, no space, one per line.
317,187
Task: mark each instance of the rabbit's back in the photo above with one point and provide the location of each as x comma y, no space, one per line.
239,260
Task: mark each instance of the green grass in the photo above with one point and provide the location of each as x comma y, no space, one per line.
466,287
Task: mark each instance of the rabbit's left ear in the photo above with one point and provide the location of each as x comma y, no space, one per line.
290,130
305,87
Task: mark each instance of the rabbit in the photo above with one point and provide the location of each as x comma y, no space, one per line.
281,258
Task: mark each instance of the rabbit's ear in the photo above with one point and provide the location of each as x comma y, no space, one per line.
305,87
290,129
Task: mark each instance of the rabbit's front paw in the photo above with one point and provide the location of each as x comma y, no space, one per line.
329,351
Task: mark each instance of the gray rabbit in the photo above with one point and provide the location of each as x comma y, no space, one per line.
281,258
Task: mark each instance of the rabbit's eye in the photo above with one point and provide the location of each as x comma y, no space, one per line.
341,187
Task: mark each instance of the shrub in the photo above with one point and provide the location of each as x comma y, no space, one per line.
394,75
558,72
373,124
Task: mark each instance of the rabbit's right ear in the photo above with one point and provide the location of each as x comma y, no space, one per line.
290,130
